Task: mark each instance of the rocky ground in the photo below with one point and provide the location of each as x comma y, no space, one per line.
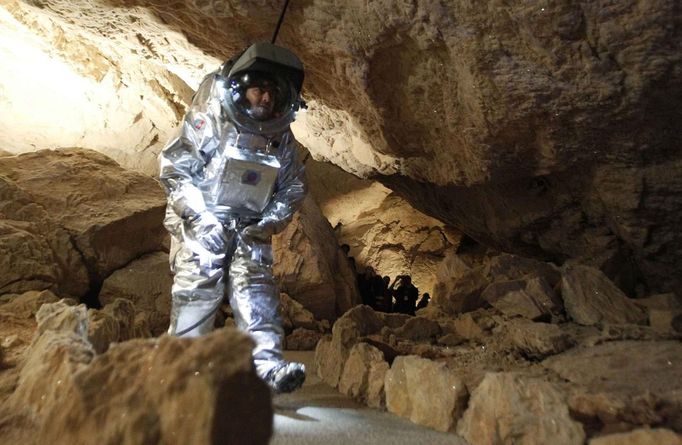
513,350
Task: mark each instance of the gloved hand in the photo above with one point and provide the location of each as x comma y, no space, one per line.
208,231
260,229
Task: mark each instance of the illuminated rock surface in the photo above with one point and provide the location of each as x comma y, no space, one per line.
545,131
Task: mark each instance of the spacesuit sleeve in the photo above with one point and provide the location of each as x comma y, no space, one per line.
289,193
183,158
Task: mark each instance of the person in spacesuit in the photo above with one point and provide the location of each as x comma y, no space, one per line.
233,179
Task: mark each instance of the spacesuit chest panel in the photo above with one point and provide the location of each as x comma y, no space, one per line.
248,180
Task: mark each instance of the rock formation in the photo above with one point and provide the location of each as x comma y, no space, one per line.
499,376
478,114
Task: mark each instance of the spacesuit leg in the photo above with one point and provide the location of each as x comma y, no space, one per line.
254,298
198,289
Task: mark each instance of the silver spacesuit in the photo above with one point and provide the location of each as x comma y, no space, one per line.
232,179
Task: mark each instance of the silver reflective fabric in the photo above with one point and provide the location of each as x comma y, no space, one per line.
253,184
248,180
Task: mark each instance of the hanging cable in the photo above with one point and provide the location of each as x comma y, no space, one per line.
279,23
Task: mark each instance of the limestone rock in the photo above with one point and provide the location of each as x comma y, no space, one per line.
662,310
332,351
418,329
116,322
514,267
303,339
27,304
103,330
531,298
623,382
143,389
425,391
591,298
112,215
390,235
507,408
35,252
644,436
363,375
535,340
146,282
295,315
466,327
61,317
310,266
456,293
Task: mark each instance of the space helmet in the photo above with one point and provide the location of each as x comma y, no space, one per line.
262,88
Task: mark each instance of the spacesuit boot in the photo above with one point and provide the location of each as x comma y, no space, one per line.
287,377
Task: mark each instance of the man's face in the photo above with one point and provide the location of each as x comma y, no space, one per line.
262,100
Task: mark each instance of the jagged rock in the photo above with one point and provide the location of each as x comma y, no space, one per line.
303,339
386,232
466,327
622,382
35,252
116,322
458,287
363,375
451,340
393,320
644,436
137,387
61,317
662,310
112,215
531,298
103,330
425,391
310,266
122,311
418,329
507,408
27,304
146,282
332,352
534,340
591,298
514,267
294,315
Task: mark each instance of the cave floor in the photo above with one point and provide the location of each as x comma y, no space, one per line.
318,414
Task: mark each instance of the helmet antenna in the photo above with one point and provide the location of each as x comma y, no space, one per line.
279,23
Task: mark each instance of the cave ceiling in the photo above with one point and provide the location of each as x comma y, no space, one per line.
542,128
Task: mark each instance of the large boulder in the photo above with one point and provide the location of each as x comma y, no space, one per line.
591,298
146,282
531,297
623,383
112,215
333,351
310,266
426,392
363,375
139,391
534,340
36,253
507,408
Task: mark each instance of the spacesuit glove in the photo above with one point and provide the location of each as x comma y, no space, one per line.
208,231
259,230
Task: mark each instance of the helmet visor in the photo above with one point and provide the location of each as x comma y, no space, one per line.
261,97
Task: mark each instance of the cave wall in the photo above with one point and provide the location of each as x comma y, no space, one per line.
543,128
